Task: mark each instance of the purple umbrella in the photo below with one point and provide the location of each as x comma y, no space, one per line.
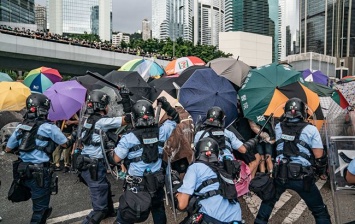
66,99
316,76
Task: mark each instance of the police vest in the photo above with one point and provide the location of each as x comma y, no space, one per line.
89,128
149,141
218,135
291,132
28,135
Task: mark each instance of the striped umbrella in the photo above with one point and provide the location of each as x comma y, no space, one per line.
40,79
145,67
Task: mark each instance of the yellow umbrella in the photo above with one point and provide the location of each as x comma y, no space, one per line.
13,96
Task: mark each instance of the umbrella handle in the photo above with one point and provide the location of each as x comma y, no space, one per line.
63,123
262,128
157,115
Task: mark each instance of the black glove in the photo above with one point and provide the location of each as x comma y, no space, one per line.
176,182
321,165
170,111
126,101
251,144
164,103
128,118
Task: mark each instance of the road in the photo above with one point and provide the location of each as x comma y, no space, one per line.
72,202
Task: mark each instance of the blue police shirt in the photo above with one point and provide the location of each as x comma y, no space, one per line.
104,124
231,141
309,135
215,206
38,156
351,167
129,140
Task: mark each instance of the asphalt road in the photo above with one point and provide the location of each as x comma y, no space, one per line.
73,203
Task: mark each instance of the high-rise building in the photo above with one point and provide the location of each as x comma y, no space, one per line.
117,38
288,41
146,29
254,16
80,16
208,21
41,17
282,48
172,18
19,11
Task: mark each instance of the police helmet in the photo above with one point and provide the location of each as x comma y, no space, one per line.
207,150
143,114
97,101
37,105
215,117
295,108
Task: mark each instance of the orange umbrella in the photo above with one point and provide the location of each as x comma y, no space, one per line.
180,64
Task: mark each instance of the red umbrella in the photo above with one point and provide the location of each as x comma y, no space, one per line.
180,64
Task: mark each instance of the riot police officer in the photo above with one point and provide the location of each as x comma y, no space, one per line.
299,146
91,162
214,127
34,138
142,151
201,190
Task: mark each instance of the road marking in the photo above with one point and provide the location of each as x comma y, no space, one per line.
72,216
297,211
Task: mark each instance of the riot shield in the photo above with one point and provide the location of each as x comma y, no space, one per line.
169,187
113,171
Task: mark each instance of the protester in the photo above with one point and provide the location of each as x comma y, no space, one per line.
142,151
34,139
298,142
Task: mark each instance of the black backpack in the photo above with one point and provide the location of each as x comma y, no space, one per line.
135,206
263,186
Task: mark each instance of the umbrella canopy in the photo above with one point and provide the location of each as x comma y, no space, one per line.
320,89
340,99
166,84
259,86
145,67
347,79
87,80
233,69
315,76
284,93
40,79
131,79
347,89
66,99
13,96
186,74
205,89
5,77
178,65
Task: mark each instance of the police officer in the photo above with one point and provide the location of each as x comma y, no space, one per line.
34,138
142,150
227,140
91,162
299,146
199,185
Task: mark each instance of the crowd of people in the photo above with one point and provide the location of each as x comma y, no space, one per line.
107,46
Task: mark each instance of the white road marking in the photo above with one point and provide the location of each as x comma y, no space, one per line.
297,211
72,216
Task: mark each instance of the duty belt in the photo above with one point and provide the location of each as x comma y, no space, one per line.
134,184
302,154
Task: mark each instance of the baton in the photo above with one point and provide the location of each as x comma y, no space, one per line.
262,128
101,78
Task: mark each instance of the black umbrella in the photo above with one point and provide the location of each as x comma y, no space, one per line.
166,84
130,79
185,75
87,81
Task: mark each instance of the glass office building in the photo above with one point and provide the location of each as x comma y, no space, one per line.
17,11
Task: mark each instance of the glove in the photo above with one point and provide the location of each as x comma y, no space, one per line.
251,144
170,111
128,118
176,182
126,101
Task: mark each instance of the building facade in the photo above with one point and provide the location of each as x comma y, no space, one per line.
117,38
209,21
21,11
146,29
80,16
41,17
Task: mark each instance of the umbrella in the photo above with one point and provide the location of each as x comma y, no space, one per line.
86,80
131,79
5,77
347,89
347,79
339,99
259,86
166,84
145,67
178,65
320,89
315,76
13,96
205,89
66,99
185,75
296,89
233,69
40,79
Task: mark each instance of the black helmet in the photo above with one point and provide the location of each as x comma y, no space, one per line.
215,117
207,150
143,114
97,101
37,105
295,108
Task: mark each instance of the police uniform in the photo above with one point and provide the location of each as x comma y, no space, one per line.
300,181
351,167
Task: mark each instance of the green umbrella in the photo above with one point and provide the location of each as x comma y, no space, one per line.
320,89
259,86
5,77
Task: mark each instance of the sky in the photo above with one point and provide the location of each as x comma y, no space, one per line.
127,15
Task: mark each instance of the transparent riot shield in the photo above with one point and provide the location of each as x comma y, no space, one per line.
340,141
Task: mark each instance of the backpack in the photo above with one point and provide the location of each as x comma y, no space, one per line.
263,186
135,206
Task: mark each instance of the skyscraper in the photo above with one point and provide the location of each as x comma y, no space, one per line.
41,17
208,21
21,11
282,48
146,29
80,16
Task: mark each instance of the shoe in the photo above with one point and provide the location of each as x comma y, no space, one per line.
57,168
344,157
66,169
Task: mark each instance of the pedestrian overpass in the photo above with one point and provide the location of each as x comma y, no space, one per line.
22,53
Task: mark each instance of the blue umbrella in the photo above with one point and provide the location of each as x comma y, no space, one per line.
205,89
5,77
